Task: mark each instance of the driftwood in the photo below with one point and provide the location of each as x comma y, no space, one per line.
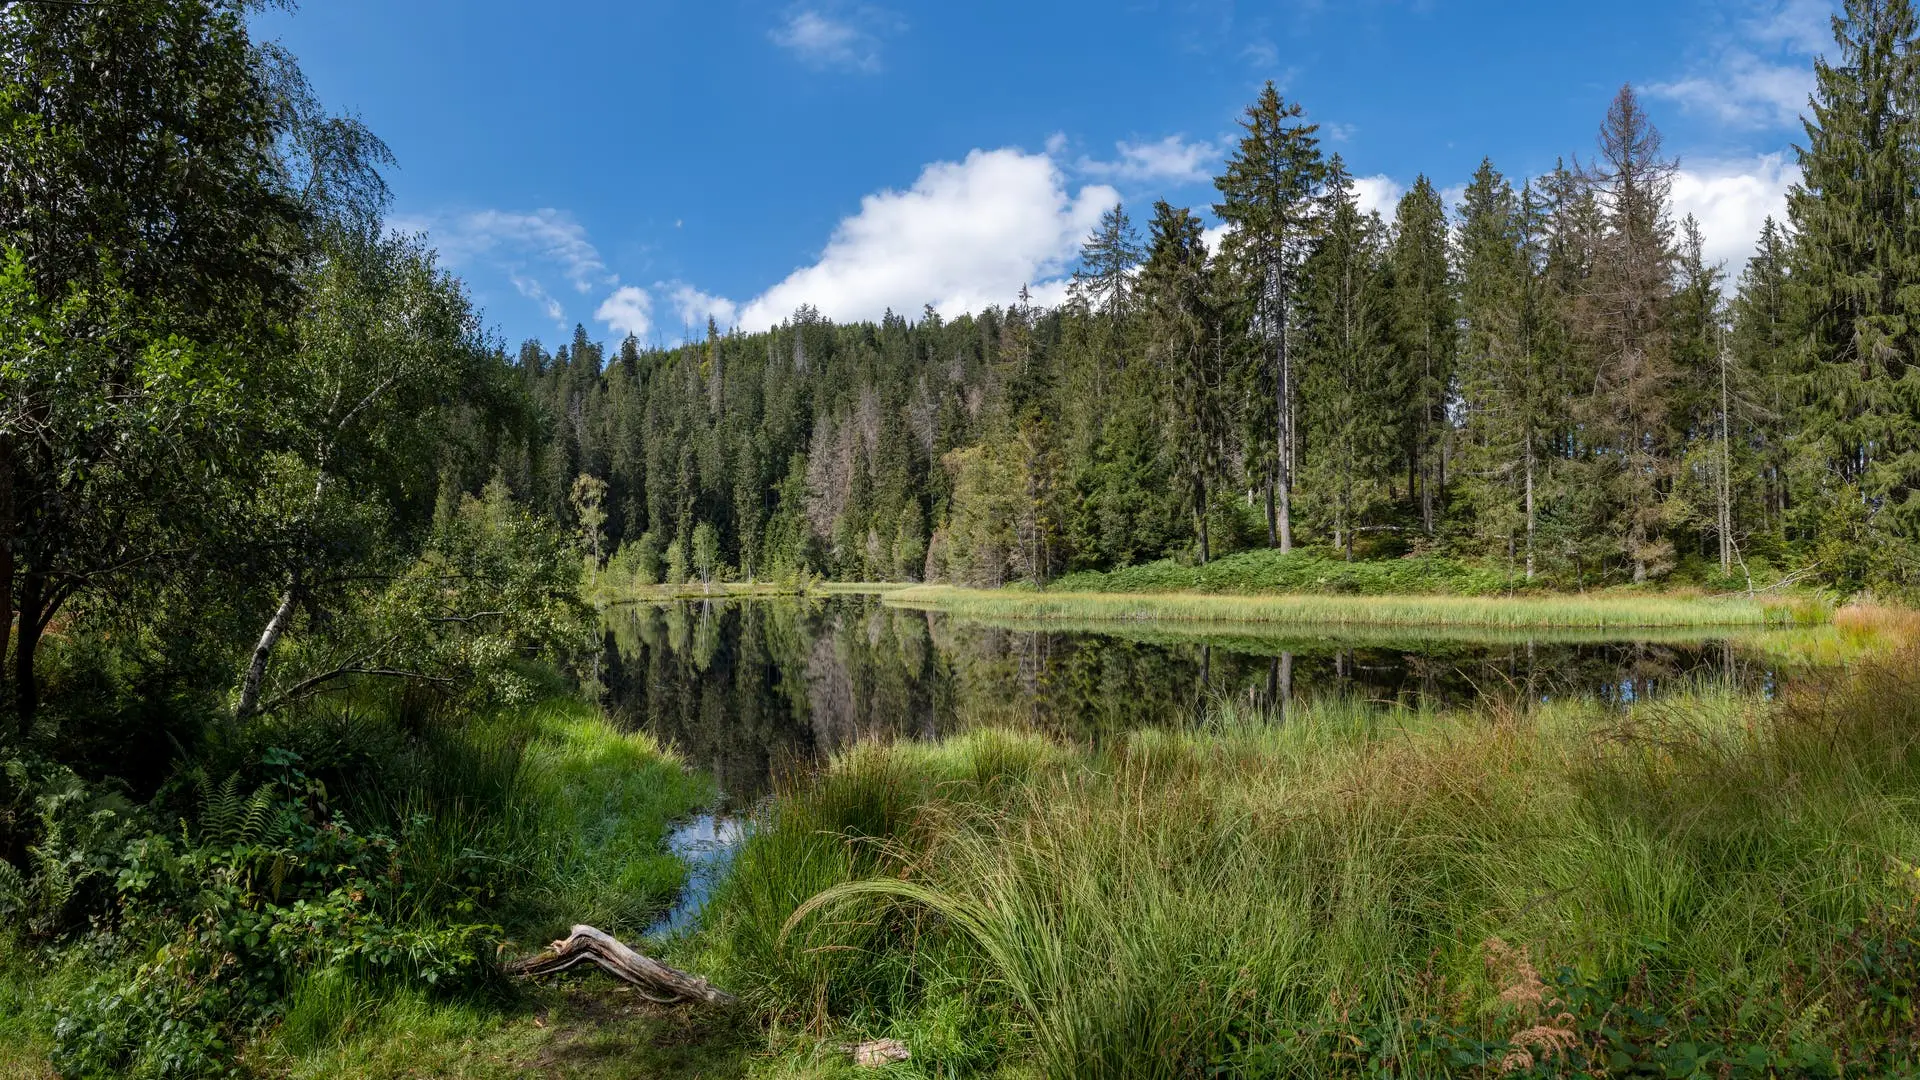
656,981
877,1052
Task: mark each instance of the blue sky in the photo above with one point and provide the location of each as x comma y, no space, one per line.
640,166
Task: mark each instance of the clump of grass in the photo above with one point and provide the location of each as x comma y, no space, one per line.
1282,898
1605,611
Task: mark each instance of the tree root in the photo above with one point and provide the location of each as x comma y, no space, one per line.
655,981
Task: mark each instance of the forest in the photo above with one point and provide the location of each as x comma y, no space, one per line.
349,656
1547,376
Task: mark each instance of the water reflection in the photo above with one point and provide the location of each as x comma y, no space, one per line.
748,688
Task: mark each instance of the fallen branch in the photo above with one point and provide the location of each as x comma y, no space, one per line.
656,981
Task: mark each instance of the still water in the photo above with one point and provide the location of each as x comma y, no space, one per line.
749,689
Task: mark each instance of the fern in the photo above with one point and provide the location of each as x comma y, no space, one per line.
226,819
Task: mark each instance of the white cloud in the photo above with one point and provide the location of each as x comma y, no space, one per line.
1731,199
847,41
534,291
1744,90
1759,74
695,307
528,247
1214,237
629,310
544,235
1172,159
1805,26
1377,194
966,234
1339,133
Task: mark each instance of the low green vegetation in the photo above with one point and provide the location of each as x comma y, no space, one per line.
1599,611
1710,885
1266,570
315,879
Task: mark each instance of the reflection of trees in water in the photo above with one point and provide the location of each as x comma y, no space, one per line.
749,688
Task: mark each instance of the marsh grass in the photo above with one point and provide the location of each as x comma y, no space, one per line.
1600,611
1306,896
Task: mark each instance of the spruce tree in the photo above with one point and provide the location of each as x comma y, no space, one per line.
1347,363
1623,320
1425,313
1183,345
1269,199
1760,347
1854,304
1501,397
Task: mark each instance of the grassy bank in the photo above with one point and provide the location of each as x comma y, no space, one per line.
1605,611
361,895
1712,885
693,590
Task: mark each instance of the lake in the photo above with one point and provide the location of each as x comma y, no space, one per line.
749,689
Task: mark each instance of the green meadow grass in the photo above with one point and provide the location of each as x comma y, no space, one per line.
1608,611
1300,897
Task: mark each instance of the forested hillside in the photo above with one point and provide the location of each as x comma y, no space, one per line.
1548,375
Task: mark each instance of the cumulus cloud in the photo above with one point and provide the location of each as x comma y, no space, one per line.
833,39
1377,194
695,307
1172,159
1731,199
1758,74
966,234
629,310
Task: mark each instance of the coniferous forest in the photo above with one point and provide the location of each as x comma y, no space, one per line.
1548,375
1473,638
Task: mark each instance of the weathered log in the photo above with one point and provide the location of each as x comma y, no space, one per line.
656,981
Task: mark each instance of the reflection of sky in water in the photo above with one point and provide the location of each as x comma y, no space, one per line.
707,843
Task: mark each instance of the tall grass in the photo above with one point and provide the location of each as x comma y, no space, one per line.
1610,611
1254,896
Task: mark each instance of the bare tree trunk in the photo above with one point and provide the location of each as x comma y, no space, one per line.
1273,525
1726,474
257,666
1529,460
33,621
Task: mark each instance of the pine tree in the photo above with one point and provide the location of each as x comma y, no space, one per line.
1425,313
1269,200
1855,259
